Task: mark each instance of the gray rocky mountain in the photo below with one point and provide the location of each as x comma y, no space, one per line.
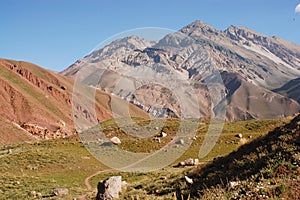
197,72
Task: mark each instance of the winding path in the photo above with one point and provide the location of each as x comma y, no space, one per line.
87,179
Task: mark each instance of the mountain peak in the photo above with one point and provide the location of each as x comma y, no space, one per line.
198,27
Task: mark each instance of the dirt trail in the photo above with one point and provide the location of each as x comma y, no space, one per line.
87,179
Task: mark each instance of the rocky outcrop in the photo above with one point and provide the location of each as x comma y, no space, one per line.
45,133
189,162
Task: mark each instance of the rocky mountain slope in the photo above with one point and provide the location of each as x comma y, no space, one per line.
192,72
291,89
37,104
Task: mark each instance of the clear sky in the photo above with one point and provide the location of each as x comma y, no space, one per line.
55,33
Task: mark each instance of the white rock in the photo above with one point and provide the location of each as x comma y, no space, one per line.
115,140
189,161
163,134
189,180
60,191
32,193
233,184
196,161
124,183
39,194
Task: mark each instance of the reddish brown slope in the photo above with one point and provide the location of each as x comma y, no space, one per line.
37,103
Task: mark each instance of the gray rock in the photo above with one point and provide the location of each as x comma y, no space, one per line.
110,188
60,191
181,141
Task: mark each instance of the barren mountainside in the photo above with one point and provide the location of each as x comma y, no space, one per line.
37,104
160,76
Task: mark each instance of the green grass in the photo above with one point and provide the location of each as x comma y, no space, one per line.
43,165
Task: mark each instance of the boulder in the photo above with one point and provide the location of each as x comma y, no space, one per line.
110,188
60,191
115,140
239,135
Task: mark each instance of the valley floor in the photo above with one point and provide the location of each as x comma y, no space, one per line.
33,169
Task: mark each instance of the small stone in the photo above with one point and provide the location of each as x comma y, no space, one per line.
163,134
115,140
9,151
60,191
18,182
188,180
124,183
196,161
250,136
32,193
233,184
181,141
239,135
189,162
39,194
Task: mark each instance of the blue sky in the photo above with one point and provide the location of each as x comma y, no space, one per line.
55,33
